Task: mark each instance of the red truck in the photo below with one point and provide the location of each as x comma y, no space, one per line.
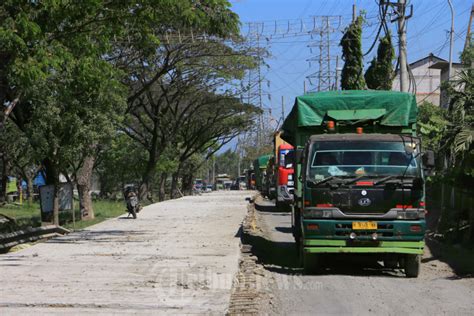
284,173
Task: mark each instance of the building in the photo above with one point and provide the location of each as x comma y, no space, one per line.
427,79
443,67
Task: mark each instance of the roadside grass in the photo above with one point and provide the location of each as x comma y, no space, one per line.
103,210
17,211
29,215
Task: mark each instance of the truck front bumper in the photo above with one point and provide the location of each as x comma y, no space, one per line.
338,236
343,246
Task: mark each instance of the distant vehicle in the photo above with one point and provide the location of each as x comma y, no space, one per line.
250,179
222,182
227,184
283,173
260,170
198,185
242,182
208,188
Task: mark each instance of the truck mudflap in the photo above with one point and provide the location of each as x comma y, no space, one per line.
348,246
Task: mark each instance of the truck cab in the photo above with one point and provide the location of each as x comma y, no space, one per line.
285,181
359,182
362,193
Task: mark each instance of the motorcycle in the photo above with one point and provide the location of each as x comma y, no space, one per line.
131,199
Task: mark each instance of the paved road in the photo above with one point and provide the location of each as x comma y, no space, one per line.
178,257
355,288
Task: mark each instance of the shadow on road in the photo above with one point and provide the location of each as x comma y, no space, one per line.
265,206
100,236
283,258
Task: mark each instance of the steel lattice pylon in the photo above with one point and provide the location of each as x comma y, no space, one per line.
326,76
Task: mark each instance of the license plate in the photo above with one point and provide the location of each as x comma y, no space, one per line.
364,225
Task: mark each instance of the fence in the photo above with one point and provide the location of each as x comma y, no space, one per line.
451,212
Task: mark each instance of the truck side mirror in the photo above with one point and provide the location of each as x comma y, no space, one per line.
429,159
299,155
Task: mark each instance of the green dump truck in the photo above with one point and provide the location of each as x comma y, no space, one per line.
260,167
360,183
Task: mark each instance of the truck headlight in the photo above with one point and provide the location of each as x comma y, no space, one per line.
314,213
412,214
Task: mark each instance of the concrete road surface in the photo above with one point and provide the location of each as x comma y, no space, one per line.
350,287
178,257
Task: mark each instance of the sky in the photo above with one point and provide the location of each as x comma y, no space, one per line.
288,65
427,32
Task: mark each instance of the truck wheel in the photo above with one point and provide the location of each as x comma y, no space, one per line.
412,265
280,207
390,264
310,262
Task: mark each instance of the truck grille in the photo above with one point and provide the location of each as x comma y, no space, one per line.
345,229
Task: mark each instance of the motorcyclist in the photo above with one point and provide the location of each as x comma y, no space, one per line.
131,198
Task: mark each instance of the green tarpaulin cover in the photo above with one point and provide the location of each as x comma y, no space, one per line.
389,108
262,161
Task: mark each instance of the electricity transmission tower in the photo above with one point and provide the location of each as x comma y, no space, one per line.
321,46
259,36
255,92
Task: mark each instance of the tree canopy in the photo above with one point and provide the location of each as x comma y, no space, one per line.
379,75
352,77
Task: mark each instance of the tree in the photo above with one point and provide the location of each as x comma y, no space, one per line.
352,77
178,88
379,75
62,70
432,125
219,120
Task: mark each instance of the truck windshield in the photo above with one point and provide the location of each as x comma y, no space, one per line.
360,158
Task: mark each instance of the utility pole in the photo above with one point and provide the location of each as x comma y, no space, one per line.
402,46
451,34
354,12
401,17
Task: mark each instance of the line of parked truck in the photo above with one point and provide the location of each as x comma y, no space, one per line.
350,167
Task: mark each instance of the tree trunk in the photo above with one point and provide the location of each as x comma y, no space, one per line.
147,177
162,191
187,184
84,181
56,204
52,178
5,171
174,185
29,188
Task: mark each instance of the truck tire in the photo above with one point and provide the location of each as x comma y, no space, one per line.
311,263
280,206
412,265
390,263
